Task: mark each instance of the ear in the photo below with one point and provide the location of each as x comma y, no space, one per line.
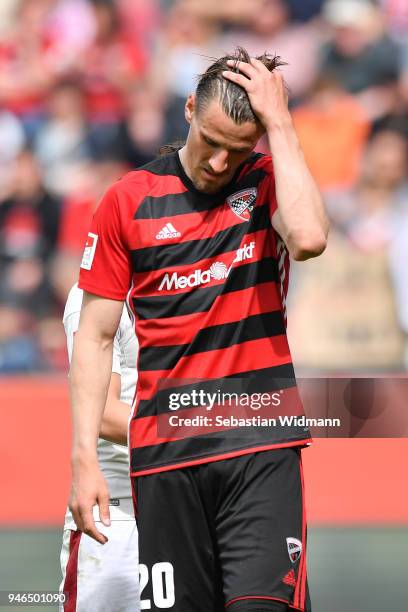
189,108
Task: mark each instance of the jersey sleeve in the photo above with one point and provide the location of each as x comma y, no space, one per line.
70,321
267,166
71,324
116,367
106,265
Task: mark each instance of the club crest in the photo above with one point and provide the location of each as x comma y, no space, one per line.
242,202
294,549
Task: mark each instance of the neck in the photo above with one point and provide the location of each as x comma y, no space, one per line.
183,154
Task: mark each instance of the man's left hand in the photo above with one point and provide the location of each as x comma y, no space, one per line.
266,91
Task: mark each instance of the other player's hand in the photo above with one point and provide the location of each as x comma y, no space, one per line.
88,489
266,91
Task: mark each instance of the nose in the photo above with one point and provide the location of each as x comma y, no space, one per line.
218,162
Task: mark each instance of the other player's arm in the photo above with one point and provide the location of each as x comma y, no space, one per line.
300,219
114,426
90,376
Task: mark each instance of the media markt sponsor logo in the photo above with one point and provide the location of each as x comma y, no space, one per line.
168,231
241,202
217,271
294,549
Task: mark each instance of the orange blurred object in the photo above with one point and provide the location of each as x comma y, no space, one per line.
332,133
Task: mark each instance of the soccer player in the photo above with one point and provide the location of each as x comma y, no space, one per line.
95,577
198,242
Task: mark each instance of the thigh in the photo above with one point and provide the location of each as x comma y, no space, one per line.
100,577
261,529
177,564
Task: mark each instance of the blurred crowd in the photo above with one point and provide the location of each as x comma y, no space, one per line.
92,88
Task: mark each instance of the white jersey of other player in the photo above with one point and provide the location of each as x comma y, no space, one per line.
113,458
96,577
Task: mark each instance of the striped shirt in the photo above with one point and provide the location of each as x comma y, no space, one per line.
206,278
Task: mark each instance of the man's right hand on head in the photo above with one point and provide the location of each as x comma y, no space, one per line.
88,489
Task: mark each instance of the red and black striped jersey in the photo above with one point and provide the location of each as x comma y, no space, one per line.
205,277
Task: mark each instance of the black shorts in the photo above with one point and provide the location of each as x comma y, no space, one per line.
224,535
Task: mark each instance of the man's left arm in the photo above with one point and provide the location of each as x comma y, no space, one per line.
300,219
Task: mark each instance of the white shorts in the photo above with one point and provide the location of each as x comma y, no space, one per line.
102,577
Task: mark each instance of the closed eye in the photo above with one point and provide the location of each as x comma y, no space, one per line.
212,143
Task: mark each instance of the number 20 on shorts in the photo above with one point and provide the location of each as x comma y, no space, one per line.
162,585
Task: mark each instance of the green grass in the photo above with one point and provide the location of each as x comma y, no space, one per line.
29,560
358,570
350,569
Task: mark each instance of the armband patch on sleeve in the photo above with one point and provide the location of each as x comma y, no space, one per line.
89,251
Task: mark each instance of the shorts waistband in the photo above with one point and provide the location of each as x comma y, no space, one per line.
120,509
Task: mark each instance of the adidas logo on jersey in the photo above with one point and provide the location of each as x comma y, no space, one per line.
218,271
168,231
290,578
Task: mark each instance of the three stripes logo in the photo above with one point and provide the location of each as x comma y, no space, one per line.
283,261
167,232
